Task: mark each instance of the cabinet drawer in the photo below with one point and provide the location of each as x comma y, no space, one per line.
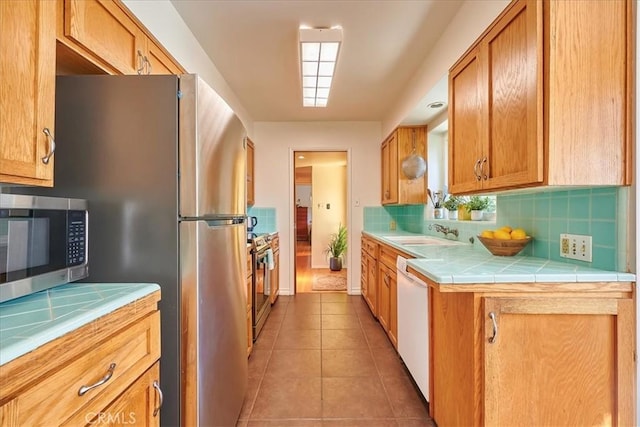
370,247
388,256
56,397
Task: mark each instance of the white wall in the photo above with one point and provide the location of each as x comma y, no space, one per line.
329,189
275,144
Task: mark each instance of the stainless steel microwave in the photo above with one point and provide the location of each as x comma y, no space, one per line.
43,243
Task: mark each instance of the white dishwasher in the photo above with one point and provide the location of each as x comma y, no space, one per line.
413,325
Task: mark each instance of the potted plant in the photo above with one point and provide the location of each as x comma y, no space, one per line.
476,205
336,248
451,204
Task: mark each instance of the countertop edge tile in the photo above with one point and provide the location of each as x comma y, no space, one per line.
15,347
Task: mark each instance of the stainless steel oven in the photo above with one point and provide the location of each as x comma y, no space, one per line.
43,243
261,286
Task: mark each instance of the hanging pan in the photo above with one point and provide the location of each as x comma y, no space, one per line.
414,166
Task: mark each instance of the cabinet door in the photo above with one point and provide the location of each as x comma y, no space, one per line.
512,84
372,285
466,124
389,155
582,347
159,61
105,31
251,198
384,286
138,405
27,88
364,271
393,309
411,191
275,277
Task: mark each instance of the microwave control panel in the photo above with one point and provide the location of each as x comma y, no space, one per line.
76,237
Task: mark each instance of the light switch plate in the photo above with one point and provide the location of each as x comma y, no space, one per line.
576,246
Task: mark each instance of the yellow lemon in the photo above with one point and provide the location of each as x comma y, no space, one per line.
487,233
518,234
502,234
506,228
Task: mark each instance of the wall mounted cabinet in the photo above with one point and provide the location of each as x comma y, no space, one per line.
396,187
522,100
106,34
28,67
251,191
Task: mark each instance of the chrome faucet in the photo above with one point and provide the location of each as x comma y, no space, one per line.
444,230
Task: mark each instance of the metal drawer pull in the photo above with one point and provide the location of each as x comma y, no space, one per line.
484,174
475,170
103,380
160,397
52,146
494,337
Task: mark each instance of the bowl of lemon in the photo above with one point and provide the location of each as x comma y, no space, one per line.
505,241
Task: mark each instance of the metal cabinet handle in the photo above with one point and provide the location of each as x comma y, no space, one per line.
484,174
156,386
147,66
494,337
52,146
141,60
85,388
475,170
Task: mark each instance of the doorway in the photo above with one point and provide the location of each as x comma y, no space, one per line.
320,195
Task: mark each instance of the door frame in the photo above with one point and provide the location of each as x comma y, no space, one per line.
292,213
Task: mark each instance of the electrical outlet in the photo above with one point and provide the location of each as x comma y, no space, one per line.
575,246
392,225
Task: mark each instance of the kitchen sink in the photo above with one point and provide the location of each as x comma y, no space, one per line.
419,240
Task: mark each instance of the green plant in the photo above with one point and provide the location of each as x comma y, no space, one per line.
337,243
477,203
453,202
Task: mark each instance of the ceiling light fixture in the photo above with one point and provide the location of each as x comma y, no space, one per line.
437,104
319,49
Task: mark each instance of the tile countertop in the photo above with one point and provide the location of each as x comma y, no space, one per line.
461,263
31,321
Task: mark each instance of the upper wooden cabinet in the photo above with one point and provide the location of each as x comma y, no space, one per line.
106,34
396,187
27,85
541,99
251,192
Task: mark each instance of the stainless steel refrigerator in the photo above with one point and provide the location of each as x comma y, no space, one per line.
161,160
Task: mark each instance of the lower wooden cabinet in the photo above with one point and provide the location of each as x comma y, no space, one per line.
106,371
249,303
369,274
274,276
379,285
532,359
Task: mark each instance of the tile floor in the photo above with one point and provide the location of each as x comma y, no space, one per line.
323,360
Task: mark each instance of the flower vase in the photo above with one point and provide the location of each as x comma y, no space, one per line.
453,214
